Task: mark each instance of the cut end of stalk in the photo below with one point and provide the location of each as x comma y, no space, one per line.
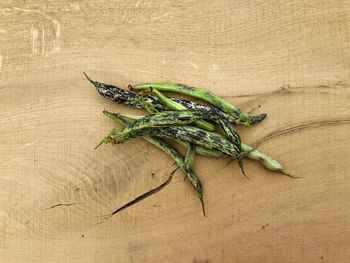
130,87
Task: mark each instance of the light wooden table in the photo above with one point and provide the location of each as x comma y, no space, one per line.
288,59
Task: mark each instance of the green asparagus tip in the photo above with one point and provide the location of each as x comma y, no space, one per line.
293,176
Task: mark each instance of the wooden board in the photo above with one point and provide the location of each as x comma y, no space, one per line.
289,59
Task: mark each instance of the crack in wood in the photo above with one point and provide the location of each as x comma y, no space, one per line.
299,127
57,205
145,195
288,89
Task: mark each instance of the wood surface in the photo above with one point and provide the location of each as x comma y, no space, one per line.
290,59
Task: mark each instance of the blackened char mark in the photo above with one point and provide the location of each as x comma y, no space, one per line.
216,140
172,131
197,136
184,118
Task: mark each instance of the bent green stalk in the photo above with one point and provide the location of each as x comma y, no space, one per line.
247,151
185,165
207,96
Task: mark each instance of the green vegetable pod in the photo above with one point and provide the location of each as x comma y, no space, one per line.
207,96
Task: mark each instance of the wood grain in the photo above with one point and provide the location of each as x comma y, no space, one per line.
289,59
